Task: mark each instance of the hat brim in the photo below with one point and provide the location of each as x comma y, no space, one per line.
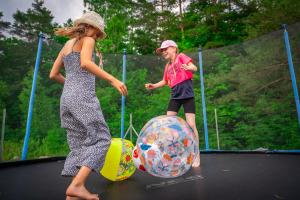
92,23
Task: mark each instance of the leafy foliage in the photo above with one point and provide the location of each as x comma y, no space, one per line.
246,81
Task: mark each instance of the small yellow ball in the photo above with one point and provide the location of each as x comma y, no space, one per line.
118,163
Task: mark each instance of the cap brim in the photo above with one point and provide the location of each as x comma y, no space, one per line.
158,51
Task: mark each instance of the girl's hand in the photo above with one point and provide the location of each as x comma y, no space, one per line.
190,67
120,86
99,55
185,67
149,86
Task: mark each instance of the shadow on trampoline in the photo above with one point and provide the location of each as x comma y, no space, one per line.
231,175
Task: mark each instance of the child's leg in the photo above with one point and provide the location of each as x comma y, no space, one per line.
74,139
89,140
77,186
190,110
92,157
190,118
76,190
93,149
173,107
171,113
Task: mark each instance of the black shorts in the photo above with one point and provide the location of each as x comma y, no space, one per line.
188,105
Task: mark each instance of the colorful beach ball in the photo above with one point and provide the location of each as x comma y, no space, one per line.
138,162
167,146
118,163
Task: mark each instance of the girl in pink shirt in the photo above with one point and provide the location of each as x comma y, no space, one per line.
178,75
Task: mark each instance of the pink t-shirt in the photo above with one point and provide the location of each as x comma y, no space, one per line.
174,74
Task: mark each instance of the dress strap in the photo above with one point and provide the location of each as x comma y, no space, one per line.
74,44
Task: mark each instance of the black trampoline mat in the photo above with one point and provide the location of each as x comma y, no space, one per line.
233,176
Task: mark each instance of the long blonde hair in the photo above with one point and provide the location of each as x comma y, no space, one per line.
78,31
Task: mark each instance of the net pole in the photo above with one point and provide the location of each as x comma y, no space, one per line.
2,135
203,100
291,69
31,101
123,97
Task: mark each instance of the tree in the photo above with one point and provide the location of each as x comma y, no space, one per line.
3,25
27,25
269,15
117,18
215,23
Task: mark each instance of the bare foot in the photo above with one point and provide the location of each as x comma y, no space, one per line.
79,191
73,198
196,162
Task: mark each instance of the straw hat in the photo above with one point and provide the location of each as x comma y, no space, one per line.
94,19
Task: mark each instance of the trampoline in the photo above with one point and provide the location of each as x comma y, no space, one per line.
223,175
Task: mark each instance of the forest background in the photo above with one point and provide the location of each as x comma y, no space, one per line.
246,72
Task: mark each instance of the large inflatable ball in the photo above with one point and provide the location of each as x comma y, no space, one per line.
166,147
118,163
138,161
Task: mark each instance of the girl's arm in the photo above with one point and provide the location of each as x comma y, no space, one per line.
151,86
54,73
90,66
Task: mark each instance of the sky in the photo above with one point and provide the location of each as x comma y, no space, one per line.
62,10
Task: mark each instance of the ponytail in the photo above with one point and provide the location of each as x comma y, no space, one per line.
72,32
